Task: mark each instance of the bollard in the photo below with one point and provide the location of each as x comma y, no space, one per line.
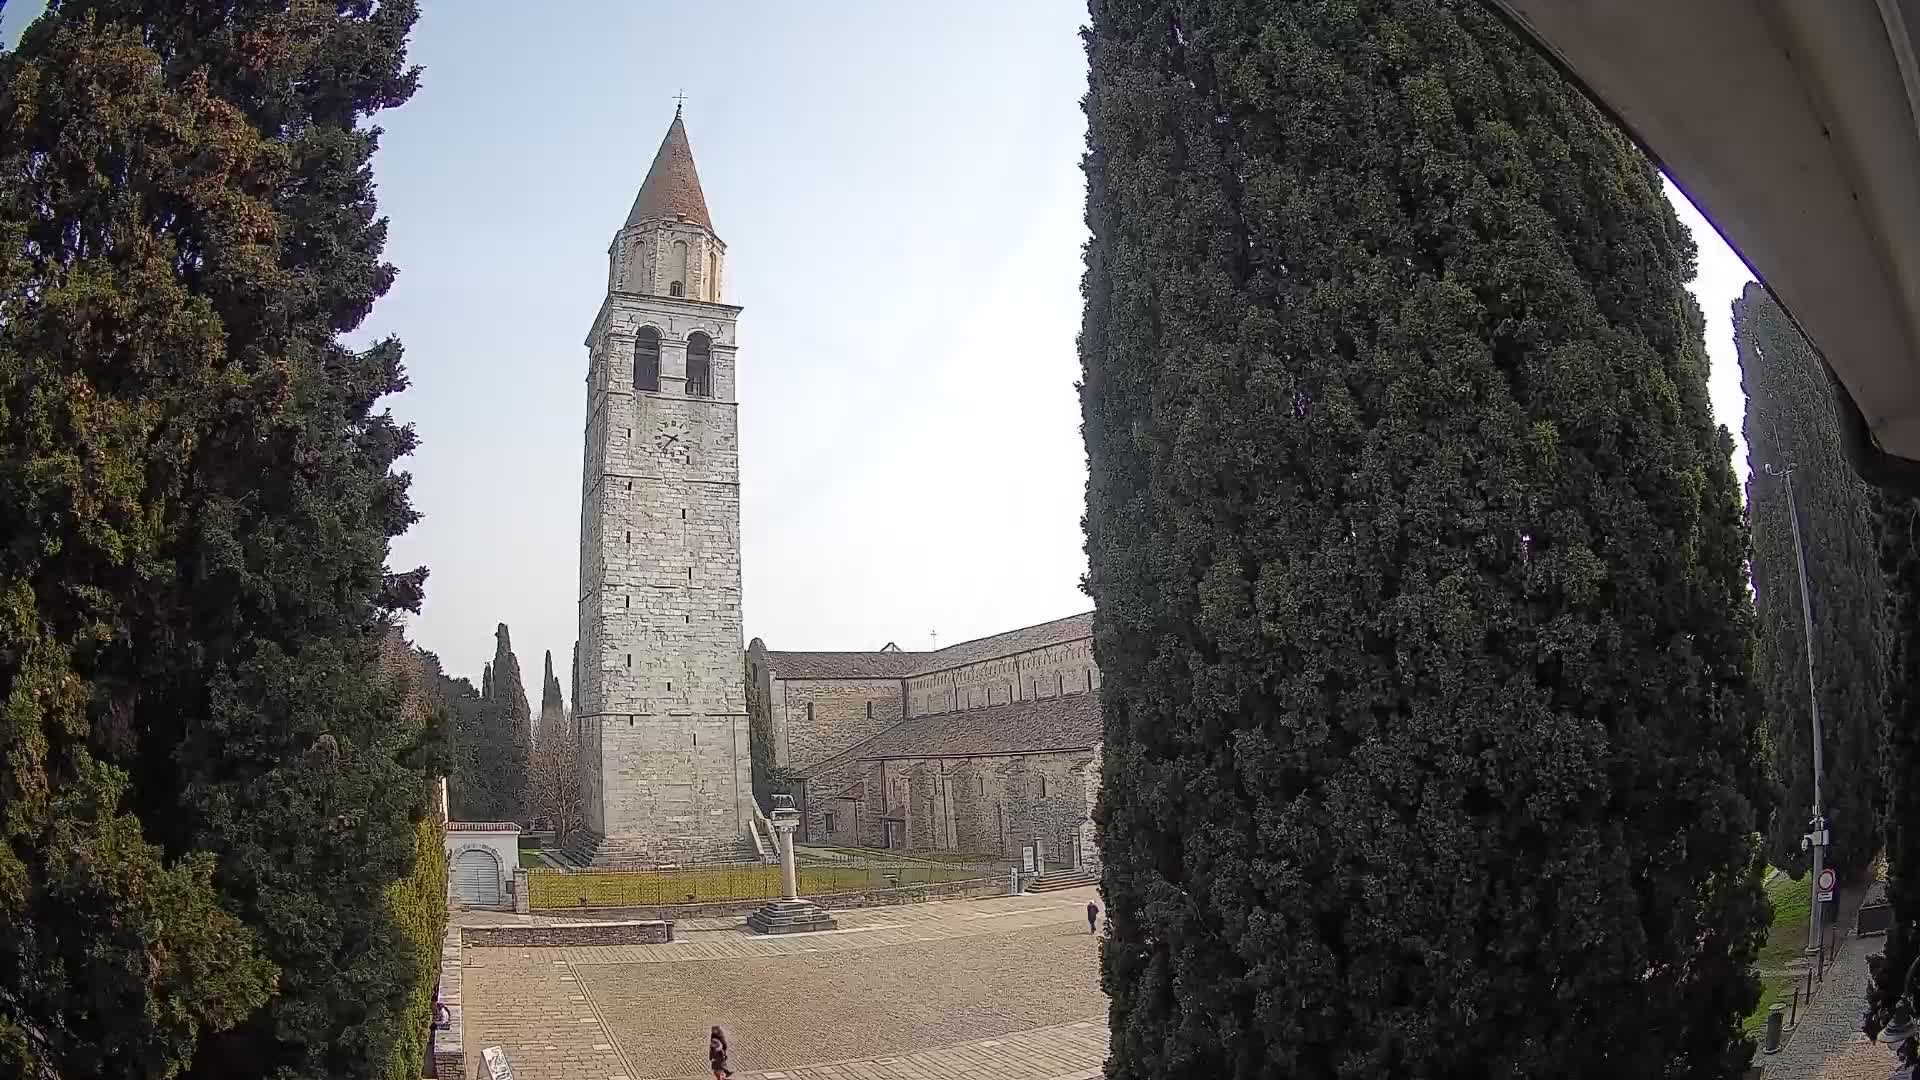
1776,1018
1793,1018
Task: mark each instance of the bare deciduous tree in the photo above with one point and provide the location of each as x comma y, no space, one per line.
553,784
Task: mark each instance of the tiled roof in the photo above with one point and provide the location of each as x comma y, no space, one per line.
1071,628
894,664
842,665
482,826
1069,722
672,188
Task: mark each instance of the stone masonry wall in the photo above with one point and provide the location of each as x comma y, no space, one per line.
1039,673
569,934
822,785
642,261
663,705
814,719
984,805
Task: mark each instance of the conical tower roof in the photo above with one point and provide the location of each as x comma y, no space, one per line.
672,187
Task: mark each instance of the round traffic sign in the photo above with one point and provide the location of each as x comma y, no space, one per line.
1826,879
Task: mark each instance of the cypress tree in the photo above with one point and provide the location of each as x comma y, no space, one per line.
1790,421
502,753
210,788
553,708
1897,530
1430,741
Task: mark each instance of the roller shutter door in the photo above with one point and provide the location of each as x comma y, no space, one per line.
476,878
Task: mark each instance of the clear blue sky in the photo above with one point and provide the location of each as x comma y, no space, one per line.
899,188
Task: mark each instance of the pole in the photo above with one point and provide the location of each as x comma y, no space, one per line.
789,879
1818,845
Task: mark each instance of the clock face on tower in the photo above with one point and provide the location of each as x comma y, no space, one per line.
671,439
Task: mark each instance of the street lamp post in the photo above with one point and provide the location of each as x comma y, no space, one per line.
1816,840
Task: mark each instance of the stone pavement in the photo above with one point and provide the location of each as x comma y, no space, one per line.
1827,1043
960,990
1067,1052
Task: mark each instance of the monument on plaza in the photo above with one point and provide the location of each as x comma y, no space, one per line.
790,914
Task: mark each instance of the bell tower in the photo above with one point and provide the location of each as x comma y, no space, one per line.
662,716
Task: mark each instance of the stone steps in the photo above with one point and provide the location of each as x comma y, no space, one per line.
790,917
1056,880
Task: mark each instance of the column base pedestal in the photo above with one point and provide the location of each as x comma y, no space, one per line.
790,917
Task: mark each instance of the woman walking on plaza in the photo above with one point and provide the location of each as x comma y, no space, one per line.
717,1054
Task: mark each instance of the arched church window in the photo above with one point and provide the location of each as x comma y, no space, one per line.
678,282
646,359
699,366
713,277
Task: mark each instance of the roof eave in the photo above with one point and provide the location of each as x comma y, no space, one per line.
1794,129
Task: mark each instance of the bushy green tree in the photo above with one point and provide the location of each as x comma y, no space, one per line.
1790,422
1897,530
1431,747
466,710
208,786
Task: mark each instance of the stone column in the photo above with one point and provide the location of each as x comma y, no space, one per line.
784,823
789,914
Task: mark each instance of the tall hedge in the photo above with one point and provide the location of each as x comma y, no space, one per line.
417,903
1790,422
1431,746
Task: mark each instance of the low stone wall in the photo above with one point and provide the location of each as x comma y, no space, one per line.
449,1047
623,932
904,894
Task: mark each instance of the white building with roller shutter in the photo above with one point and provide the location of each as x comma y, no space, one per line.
481,856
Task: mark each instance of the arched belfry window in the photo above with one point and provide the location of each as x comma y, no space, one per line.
699,366
677,284
713,277
646,359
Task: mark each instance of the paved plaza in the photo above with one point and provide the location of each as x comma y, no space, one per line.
963,990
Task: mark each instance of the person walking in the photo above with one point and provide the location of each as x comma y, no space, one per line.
717,1054
1093,916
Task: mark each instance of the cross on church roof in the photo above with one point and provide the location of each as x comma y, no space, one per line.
679,100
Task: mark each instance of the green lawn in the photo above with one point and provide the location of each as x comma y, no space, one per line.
645,888
1786,942
530,859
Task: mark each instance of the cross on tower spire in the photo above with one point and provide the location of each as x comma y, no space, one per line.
679,100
